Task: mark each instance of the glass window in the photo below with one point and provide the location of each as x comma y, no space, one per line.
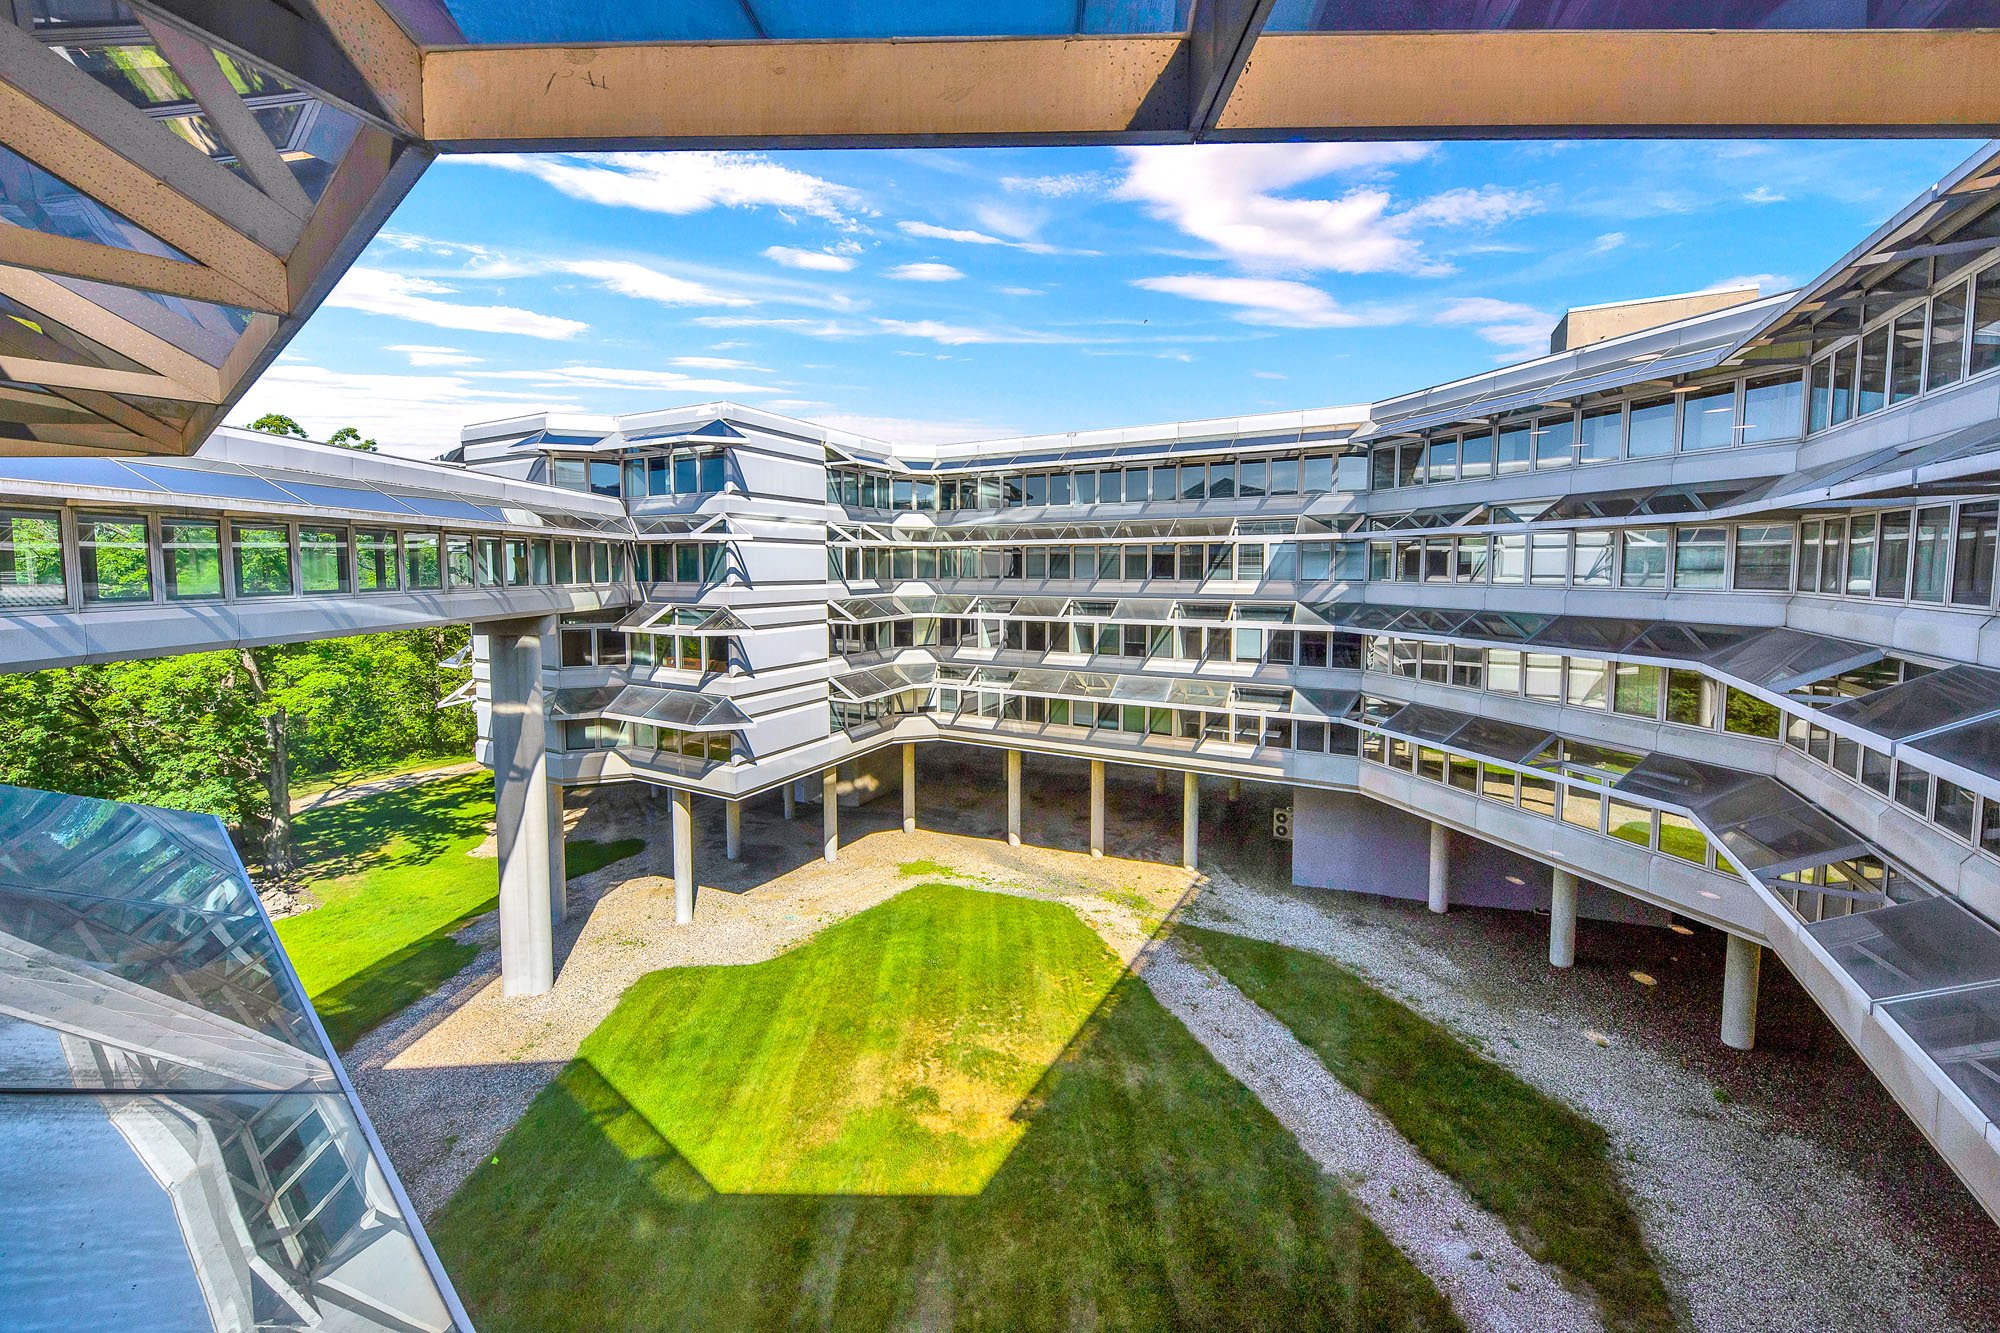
1874,373
263,559
1690,698
191,557
1913,788
1514,444
1510,557
1084,487
514,562
458,560
604,476
1316,477
1555,442
1892,568
1747,715
487,552
1679,837
1822,393
1603,431
1947,357
1583,807
1699,557
1764,557
1409,463
323,559
1548,558
31,563
1471,566
569,473
1708,419
375,560
1543,673
1137,485
1929,553
1443,464
1906,355
711,470
1860,555
1284,476
1834,533
1475,455
1972,565
1586,683
1985,350
1222,481
1645,563
1953,809
1844,374
420,559
539,562
1633,823
1636,690
1651,432
116,564
1166,482
1503,670
1771,405
1538,795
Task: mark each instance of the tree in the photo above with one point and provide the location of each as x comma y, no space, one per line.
349,438
273,423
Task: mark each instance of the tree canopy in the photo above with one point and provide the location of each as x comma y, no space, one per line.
277,423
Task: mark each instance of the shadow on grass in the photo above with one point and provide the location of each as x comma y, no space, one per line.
1150,1190
581,856
356,1006
397,828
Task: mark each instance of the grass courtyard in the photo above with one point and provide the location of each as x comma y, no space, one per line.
947,1110
394,875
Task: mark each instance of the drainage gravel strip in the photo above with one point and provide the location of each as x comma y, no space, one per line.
1491,1282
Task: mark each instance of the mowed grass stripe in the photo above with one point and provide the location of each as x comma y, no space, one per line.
1523,1156
1149,1189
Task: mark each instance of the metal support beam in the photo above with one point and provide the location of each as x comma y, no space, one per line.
1741,964
683,832
1013,798
1220,36
1562,919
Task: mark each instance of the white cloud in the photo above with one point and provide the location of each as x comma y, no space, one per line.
717,363
1229,195
422,354
1767,284
807,328
1609,241
1059,186
1022,291
1268,375
1274,301
1763,194
913,430
379,292
931,232
966,335
645,283
925,273
622,378
1519,330
821,260
411,415
682,183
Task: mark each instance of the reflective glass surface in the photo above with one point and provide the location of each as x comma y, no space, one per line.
1479,15
1940,699
1912,947
38,201
748,20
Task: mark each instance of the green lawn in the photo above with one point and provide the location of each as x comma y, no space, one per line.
1114,1178
393,879
1523,1156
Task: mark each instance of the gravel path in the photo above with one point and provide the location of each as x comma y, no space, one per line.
354,791
1754,1226
1491,1282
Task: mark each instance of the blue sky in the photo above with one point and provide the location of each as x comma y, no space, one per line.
955,294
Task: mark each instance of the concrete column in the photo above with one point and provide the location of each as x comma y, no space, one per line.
732,830
1097,807
558,862
790,791
1440,868
1190,818
1740,968
1013,798
909,787
1235,789
1159,782
519,732
1562,919
683,857
829,797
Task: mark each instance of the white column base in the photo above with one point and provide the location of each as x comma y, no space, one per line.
1562,919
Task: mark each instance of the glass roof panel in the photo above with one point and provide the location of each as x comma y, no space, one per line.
1683,782
1940,699
212,480
1961,1032
1501,740
1975,747
38,201
1425,723
536,21
1308,701
29,333
1912,947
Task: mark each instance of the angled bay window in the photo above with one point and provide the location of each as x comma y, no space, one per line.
1947,338
191,557
1874,391
1985,339
112,552
1906,355
261,559
323,559
31,559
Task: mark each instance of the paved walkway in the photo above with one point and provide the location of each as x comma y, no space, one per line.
1492,1283
341,793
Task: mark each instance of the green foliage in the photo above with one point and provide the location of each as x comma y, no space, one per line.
349,438
1147,1190
276,423
188,732
394,875
1527,1158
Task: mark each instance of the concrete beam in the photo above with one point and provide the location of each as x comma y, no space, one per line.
1013,798
683,832
1097,807
1562,918
518,730
829,797
1741,965
1440,884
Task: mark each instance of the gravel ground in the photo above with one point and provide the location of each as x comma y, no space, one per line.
447,1077
1761,1215
1491,1282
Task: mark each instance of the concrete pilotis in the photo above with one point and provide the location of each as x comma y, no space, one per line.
909,787
1236,789
521,804
1097,807
1440,894
829,796
1562,919
683,857
1013,798
1741,965
1190,818
790,793
558,864
732,830
1160,782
